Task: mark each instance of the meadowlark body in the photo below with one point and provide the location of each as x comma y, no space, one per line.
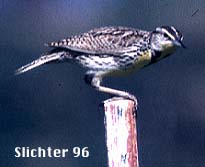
111,51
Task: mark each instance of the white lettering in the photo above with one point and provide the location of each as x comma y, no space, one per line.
49,151
33,153
64,151
39,152
57,153
18,153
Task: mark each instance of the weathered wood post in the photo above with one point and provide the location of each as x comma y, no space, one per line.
121,132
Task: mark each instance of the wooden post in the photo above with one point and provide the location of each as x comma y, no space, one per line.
121,133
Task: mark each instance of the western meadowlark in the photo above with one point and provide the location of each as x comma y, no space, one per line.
111,51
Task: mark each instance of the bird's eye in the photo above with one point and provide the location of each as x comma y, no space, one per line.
165,35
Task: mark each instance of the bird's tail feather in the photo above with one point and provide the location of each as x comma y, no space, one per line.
40,61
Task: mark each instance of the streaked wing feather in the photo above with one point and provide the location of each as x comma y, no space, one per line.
106,40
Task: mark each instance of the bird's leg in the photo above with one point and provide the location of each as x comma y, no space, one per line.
95,82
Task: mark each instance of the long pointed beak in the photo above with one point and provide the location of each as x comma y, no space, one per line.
182,45
179,43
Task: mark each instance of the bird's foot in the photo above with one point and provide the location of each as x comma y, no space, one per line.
125,96
133,98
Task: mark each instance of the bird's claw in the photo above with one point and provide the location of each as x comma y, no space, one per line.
134,99
127,96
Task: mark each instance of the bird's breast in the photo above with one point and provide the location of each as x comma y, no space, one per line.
139,62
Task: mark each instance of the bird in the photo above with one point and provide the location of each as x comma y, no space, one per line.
112,51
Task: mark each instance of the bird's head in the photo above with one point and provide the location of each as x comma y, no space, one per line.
166,38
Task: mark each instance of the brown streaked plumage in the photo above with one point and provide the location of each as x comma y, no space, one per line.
106,40
112,50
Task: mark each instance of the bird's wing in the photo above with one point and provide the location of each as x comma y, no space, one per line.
106,40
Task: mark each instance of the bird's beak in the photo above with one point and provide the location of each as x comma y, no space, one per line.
179,43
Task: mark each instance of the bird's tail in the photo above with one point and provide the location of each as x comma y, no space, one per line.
40,61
